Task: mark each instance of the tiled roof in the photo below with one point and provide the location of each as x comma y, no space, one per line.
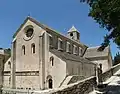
69,57
94,52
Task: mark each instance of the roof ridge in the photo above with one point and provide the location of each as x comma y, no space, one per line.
73,29
93,47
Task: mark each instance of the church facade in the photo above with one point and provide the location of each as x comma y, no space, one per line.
42,58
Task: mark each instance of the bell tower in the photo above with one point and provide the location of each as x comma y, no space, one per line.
74,34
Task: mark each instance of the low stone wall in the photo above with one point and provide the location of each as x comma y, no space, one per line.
75,78
115,68
110,72
106,75
82,87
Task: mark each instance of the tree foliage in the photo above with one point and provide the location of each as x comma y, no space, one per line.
107,14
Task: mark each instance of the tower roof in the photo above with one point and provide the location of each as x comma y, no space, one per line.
73,29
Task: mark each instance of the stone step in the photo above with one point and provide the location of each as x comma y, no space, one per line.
99,92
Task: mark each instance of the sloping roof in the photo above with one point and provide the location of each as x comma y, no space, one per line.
44,27
33,20
72,29
94,52
69,57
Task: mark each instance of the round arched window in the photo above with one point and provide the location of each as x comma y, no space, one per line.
52,60
71,34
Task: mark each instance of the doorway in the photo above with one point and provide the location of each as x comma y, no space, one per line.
50,83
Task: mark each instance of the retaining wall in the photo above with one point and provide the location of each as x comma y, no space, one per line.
110,72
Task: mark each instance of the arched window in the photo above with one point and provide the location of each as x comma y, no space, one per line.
60,44
50,42
9,63
75,49
80,51
23,49
68,47
50,82
33,48
52,60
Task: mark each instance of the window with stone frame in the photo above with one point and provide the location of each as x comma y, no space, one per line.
23,50
33,48
60,44
68,47
9,64
80,51
75,49
52,60
50,42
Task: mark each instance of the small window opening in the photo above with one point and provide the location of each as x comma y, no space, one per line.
68,47
80,51
50,41
9,63
52,60
60,44
75,49
23,49
33,48
71,34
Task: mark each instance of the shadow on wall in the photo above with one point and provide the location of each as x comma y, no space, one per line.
112,89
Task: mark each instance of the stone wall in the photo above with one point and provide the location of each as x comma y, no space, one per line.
76,78
82,87
106,75
110,72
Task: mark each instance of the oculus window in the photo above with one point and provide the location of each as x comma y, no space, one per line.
29,32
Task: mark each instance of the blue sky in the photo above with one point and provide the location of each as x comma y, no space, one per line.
57,14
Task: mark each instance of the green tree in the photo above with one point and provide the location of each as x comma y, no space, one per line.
107,14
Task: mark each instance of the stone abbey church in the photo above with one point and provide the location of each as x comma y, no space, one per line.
42,58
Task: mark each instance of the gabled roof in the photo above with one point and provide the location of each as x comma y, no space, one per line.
72,29
92,52
44,27
33,20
